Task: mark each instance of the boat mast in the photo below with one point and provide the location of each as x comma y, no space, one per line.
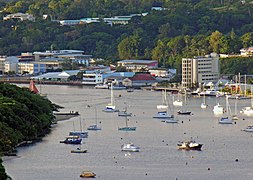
112,100
245,85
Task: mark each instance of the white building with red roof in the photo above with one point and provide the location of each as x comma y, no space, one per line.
139,80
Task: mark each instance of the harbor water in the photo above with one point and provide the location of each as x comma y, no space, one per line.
226,151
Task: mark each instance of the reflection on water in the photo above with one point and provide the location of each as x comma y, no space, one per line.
226,151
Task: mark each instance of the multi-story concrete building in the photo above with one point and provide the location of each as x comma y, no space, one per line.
201,69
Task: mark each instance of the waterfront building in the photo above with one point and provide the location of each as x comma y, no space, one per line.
138,65
139,80
200,69
57,76
11,64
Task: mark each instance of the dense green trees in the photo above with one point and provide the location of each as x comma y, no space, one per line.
23,116
182,29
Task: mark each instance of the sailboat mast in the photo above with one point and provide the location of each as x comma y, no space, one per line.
126,121
81,128
112,103
96,114
245,85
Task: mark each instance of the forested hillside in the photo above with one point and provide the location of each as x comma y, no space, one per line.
24,116
183,28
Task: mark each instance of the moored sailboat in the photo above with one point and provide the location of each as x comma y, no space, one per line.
111,106
126,128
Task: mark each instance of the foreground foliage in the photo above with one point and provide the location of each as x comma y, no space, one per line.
24,116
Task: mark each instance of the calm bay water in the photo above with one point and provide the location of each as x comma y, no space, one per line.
159,157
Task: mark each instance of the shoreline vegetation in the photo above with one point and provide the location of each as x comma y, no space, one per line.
25,118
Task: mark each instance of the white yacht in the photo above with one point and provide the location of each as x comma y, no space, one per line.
248,129
218,109
130,147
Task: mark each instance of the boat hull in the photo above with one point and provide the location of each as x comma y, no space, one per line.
184,113
198,148
127,129
79,151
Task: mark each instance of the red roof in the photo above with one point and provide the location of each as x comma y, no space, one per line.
142,77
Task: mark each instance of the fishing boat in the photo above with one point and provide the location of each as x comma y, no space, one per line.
129,147
189,145
111,107
127,128
72,140
87,174
248,129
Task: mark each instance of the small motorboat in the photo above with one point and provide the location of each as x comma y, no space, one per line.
162,115
72,140
171,120
225,120
94,127
81,134
130,147
127,128
248,129
79,150
87,174
124,113
184,112
189,145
